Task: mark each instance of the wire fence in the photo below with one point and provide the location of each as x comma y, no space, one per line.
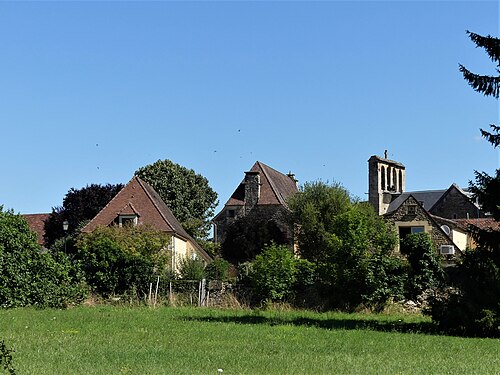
192,293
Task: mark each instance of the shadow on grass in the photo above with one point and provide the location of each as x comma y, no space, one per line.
329,324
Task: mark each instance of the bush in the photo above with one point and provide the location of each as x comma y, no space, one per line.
6,358
274,273
29,277
425,270
471,305
191,269
119,260
218,270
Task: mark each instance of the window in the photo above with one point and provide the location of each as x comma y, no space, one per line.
404,231
127,220
411,209
231,213
382,170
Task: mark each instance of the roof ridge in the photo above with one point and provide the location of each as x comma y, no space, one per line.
143,185
109,203
271,183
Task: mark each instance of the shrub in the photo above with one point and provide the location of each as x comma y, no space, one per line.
274,273
191,269
29,277
118,260
6,358
425,270
218,270
471,305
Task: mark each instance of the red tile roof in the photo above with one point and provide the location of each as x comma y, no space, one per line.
36,223
483,223
275,189
138,197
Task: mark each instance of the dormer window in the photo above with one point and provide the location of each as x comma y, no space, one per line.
127,220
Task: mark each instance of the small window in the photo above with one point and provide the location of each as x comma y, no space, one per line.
417,230
411,209
127,220
231,213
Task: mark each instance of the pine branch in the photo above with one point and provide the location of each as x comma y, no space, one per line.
489,43
494,139
487,85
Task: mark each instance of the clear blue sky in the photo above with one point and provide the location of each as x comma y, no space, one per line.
91,91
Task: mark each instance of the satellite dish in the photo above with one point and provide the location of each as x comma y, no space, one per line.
446,229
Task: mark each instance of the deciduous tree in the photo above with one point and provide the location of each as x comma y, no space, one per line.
79,206
187,193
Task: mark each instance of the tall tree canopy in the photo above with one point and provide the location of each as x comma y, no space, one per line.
487,188
79,205
347,241
187,193
486,84
474,307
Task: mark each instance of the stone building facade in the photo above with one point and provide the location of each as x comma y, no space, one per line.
262,195
433,211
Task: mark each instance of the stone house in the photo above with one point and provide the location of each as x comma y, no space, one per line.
437,212
139,204
263,194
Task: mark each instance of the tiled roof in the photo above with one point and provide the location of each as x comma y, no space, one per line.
138,197
483,223
36,223
275,189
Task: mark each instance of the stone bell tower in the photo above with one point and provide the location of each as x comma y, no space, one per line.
386,181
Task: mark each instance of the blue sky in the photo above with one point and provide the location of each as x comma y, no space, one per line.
91,91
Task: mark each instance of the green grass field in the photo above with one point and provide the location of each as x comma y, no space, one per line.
120,340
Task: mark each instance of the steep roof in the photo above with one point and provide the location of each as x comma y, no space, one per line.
275,189
426,198
36,222
139,198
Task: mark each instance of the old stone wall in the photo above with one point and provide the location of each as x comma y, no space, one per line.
454,205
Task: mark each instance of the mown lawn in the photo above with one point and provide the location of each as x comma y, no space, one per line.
119,340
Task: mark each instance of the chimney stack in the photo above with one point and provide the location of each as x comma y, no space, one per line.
252,190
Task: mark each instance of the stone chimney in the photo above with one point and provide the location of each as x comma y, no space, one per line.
292,177
386,180
252,190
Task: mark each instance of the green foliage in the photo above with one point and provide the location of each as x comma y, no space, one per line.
212,248
28,276
349,244
6,358
120,259
185,192
472,305
425,271
218,269
79,206
313,211
274,273
247,236
191,269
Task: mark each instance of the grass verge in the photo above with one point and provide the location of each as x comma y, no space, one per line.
119,340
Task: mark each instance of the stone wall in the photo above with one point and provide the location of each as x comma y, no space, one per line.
411,214
455,205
